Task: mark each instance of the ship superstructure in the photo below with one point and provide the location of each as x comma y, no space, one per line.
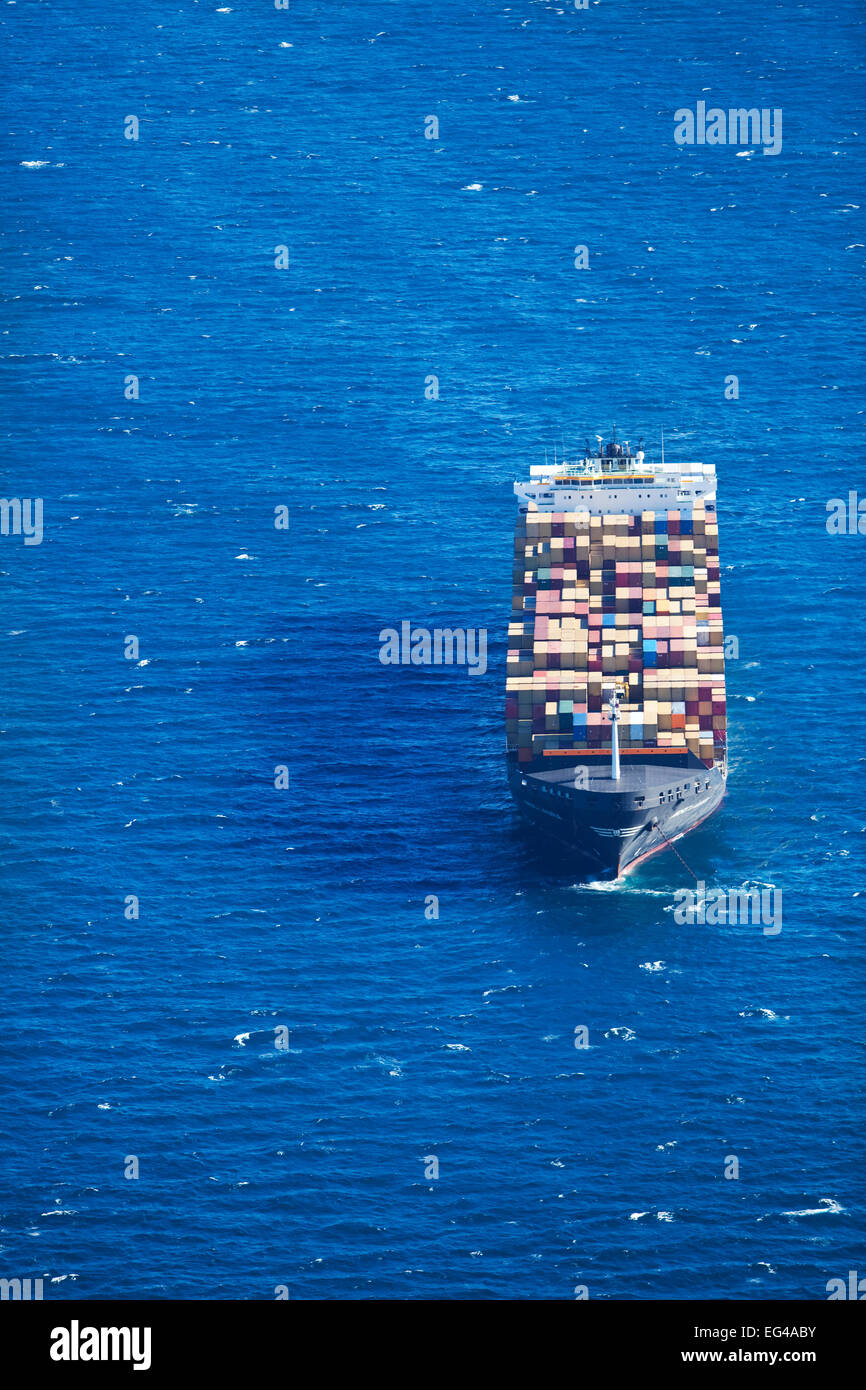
615,702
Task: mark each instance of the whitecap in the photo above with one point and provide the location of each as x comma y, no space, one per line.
390,1063
828,1207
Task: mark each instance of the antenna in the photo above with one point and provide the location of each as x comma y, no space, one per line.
663,446
554,453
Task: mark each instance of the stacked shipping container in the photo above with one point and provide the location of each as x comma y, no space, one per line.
631,598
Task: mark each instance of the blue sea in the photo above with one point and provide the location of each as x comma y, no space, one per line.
278,1005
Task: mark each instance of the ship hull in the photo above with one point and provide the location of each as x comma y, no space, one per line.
606,828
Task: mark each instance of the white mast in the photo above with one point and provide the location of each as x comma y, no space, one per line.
613,706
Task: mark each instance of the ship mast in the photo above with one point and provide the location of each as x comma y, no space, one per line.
613,707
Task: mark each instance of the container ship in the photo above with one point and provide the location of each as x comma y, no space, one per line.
615,691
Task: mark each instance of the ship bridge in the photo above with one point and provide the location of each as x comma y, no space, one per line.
616,480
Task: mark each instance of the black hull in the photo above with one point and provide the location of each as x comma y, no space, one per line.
604,828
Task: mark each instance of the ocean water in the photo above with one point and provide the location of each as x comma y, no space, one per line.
303,1158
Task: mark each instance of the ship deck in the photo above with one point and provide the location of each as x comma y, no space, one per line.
640,779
